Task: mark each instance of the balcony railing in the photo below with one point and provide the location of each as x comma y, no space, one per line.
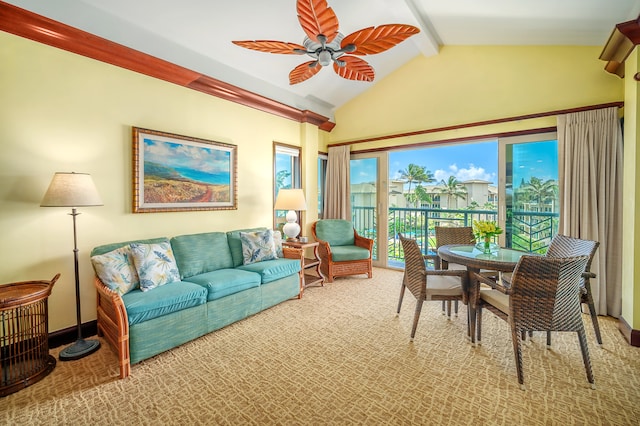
527,231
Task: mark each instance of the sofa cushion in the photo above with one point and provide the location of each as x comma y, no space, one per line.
271,270
344,253
223,282
110,247
172,297
277,240
257,246
235,244
337,232
116,270
155,264
199,253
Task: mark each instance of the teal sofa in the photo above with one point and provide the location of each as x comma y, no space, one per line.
214,289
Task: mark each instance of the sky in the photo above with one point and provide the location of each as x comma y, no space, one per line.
468,161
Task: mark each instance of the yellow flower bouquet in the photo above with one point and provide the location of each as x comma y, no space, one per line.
484,230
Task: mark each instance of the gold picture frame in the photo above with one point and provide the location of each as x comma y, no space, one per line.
173,173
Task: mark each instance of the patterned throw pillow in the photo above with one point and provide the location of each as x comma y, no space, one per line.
155,264
257,246
116,270
277,239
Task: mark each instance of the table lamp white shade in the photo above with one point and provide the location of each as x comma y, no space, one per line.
71,190
292,200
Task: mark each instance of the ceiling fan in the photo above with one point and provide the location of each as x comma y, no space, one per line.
325,44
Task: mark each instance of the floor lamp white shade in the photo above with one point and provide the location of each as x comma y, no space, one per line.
74,190
291,200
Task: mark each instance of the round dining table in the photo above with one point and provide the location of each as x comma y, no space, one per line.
500,260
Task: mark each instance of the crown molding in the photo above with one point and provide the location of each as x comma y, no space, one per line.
24,23
621,42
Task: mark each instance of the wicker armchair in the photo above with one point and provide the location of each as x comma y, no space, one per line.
427,284
341,250
543,295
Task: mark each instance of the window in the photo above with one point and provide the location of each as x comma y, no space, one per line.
286,174
322,178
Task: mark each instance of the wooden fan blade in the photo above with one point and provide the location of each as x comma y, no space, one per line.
375,40
271,46
303,72
316,17
354,69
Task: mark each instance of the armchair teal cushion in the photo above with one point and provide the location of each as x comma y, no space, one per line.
347,253
337,232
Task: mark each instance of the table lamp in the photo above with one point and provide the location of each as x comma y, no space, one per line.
292,200
74,190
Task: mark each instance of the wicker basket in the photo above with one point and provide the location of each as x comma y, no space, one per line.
24,334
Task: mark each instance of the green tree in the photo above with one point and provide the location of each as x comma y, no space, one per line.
453,189
473,205
418,174
281,176
539,191
489,206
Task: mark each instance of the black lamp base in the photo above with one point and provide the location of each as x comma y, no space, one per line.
79,349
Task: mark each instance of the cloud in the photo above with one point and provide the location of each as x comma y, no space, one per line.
462,174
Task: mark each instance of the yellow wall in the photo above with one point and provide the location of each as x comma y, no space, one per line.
631,206
464,84
63,112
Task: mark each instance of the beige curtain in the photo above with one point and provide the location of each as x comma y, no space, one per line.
590,162
337,198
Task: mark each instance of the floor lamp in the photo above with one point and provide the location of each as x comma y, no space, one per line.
74,190
292,200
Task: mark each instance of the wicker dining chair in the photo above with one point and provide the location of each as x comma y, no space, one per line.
446,235
543,296
564,246
427,284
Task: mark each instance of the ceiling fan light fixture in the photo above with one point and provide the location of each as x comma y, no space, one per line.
325,58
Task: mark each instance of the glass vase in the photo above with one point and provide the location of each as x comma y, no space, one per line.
486,246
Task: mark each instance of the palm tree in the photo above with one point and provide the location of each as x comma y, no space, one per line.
418,174
473,205
541,191
453,189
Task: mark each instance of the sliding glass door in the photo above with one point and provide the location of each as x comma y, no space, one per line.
529,187
367,201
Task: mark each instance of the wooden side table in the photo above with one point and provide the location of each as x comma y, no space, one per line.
308,265
24,334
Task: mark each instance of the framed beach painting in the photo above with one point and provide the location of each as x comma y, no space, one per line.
179,173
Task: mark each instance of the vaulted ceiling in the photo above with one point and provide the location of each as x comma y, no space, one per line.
197,34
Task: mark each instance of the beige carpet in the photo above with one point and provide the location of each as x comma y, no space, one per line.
341,356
